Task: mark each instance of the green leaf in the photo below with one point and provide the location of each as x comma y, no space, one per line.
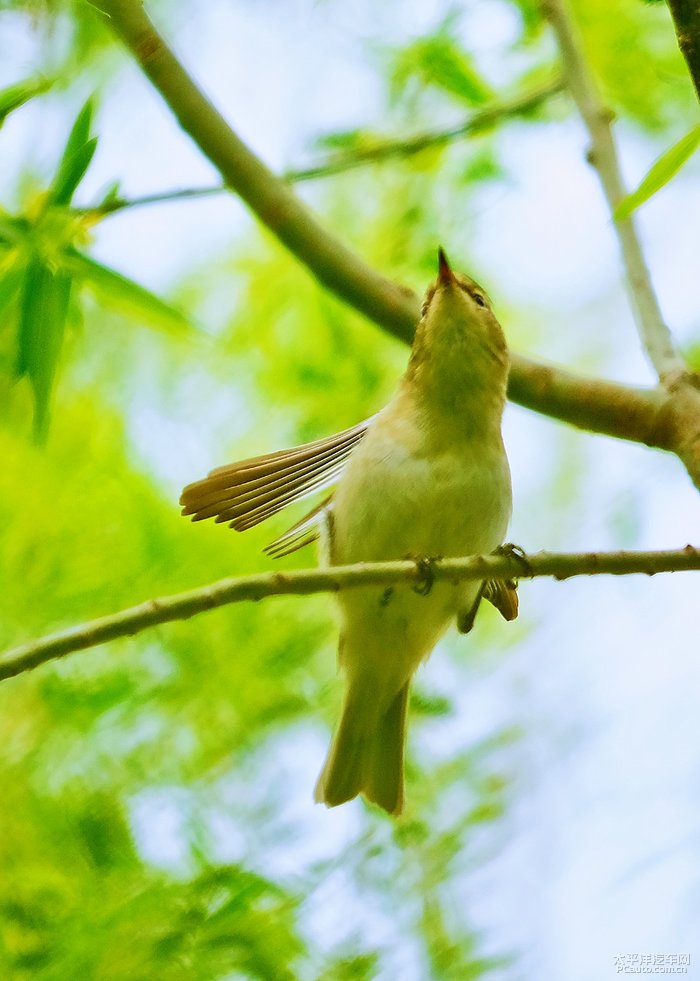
348,139
483,166
74,172
112,198
660,173
450,69
423,703
123,294
12,230
440,62
16,95
532,19
42,322
78,153
10,283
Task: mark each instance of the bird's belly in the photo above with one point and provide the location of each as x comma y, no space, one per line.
394,506
416,507
387,632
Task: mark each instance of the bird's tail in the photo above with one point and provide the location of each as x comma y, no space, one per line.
366,755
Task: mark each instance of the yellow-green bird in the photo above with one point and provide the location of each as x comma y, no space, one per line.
426,477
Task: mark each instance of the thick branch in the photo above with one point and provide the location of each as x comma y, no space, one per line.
653,332
686,19
181,606
623,411
598,407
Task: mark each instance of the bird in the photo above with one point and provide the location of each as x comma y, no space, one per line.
426,477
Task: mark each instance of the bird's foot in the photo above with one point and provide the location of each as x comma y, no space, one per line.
515,552
425,576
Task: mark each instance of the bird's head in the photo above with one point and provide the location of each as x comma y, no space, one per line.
459,344
457,315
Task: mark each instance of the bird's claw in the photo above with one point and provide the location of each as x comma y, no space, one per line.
425,576
517,553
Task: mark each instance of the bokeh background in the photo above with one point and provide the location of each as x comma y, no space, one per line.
156,814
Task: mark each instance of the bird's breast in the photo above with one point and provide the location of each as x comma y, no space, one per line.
406,494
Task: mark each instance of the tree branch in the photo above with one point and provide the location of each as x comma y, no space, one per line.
616,410
350,160
303,582
640,415
686,20
654,334
408,147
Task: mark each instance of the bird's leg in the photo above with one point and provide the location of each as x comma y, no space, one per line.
465,620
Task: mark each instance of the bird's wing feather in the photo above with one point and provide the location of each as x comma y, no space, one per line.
248,492
302,533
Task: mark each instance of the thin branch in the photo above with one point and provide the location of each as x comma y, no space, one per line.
350,160
654,334
686,20
115,205
303,582
390,149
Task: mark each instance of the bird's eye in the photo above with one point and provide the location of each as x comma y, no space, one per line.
479,300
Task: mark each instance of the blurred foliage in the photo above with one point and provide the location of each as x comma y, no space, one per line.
14,96
438,60
40,269
631,47
152,790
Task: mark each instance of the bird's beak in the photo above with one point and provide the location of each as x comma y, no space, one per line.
445,274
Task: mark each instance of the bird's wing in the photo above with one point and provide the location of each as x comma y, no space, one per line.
246,493
302,533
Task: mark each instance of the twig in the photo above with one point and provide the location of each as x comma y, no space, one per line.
390,149
686,20
350,160
654,334
181,606
115,205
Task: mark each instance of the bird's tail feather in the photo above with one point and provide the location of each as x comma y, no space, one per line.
367,759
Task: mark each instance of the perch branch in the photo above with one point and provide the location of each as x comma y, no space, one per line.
181,606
